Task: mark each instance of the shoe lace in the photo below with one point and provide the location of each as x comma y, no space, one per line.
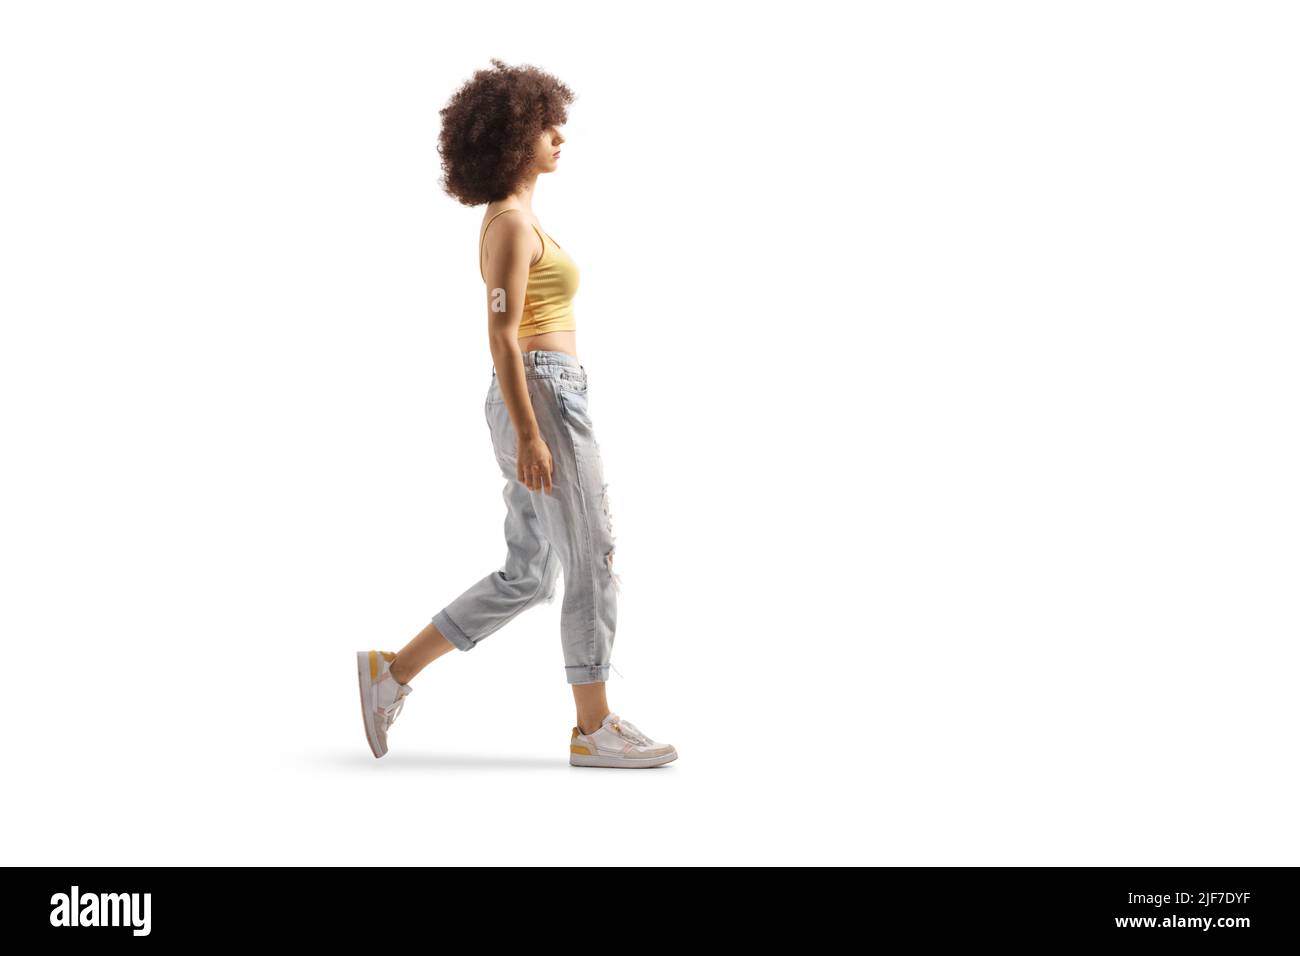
629,730
392,710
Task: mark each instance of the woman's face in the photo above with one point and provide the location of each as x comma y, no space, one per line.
546,154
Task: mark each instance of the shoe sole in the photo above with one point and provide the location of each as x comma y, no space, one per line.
367,714
603,760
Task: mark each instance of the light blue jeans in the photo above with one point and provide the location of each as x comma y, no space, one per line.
568,531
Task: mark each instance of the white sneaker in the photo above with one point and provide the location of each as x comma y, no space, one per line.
381,696
617,743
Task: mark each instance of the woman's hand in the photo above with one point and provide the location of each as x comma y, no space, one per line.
534,464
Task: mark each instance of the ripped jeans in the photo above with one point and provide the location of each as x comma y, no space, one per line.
568,531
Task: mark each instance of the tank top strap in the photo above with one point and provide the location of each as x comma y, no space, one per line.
489,226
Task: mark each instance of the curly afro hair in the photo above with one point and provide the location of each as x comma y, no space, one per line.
490,127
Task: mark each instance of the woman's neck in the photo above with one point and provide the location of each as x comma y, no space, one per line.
523,196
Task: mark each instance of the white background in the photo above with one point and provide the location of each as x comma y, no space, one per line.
943,358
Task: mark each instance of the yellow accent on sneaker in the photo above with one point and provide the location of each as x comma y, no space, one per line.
579,749
389,656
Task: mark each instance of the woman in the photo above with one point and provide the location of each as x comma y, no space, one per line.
499,133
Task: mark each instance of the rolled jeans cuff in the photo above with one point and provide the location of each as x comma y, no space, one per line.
587,673
451,632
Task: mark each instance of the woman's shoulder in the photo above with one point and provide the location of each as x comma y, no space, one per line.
489,214
500,231
519,223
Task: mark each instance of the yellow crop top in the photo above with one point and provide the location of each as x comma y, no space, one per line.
552,284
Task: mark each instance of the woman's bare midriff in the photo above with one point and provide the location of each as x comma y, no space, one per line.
551,342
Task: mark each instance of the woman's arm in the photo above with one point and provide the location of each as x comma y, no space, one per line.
508,253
